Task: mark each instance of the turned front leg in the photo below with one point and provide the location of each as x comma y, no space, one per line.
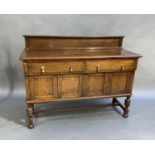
127,104
30,115
114,101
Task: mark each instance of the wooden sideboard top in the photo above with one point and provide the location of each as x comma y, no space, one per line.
74,47
79,54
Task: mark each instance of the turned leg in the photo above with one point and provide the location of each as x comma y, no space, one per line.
127,104
30,115
114,101
33,107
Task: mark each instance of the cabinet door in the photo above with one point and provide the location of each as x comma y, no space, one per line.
94,85
43,87
121,83
69,86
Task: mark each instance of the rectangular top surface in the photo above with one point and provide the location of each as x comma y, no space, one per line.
78,54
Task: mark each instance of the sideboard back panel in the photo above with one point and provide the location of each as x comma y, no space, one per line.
49,43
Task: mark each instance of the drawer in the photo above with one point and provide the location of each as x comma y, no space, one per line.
111,65
55,67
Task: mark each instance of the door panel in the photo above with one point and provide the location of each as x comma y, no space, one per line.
44,87
69,86
94,85
119,83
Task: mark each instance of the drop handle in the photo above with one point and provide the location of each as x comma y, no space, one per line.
97,68
42,69
122,68
71,69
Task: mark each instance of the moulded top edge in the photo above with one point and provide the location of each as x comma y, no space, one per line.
48,36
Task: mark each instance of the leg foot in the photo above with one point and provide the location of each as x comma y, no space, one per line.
127,104
30,126
30,116
125,115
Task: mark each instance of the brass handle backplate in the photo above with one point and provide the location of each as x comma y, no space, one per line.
42,69
122,68
71,69
97,68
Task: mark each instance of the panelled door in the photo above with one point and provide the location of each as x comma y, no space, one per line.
94,85
70,86
43,87
121,83
80,85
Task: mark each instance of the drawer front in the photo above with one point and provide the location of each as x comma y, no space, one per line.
111,65
55,67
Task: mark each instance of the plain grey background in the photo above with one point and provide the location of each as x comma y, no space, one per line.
139,32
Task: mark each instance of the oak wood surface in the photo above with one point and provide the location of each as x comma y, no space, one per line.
73,54
59,68
59,42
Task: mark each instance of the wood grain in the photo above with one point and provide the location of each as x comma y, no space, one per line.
59,68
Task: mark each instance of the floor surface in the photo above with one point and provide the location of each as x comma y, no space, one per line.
101,123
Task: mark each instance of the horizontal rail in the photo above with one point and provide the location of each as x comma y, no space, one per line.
73,108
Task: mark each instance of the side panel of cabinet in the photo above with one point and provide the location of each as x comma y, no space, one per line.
121,83
69,86
27,88
94,84
43,87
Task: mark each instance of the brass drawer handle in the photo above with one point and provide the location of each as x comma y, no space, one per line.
122,68
42,69
97,68
71,69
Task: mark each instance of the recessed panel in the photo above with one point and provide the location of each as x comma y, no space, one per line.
95,84
43,87
119,82
69,86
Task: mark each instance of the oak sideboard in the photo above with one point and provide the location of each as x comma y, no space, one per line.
62,68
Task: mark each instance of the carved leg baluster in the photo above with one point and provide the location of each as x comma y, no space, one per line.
30,116
127,104
114,101
33,108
